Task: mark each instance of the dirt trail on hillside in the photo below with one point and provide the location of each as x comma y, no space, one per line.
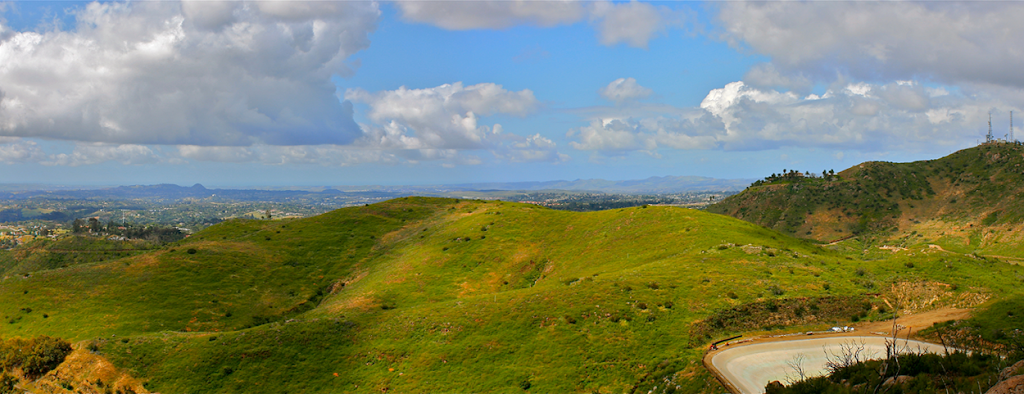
915,322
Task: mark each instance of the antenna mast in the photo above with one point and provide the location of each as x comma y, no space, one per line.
988,137
1011,127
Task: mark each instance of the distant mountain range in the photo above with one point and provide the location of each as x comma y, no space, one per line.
652,185
655,184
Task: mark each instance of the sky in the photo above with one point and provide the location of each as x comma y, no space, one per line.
278,93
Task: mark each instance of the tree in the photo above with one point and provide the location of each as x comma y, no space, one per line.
95,225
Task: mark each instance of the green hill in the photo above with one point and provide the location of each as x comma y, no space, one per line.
968,201
442,295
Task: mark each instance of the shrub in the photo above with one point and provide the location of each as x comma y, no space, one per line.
642,306
669,304
35,356
910,264
7,383
191,251
861,271
732,295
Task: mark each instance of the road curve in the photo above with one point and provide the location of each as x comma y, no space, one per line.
748,368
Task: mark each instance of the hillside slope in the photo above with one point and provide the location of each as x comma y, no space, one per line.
441,295
968,201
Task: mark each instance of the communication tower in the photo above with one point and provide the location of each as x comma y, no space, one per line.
988,137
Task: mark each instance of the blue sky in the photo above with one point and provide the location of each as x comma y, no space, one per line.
298,93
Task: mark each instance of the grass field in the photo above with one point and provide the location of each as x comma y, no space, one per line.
429,295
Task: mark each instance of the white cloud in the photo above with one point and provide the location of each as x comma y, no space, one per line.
443,117
491,14
855,116
765,75
95,153
15,150
647,134
534,148
324,155
411,126
226,154
952,42
623,90
633,23
196,73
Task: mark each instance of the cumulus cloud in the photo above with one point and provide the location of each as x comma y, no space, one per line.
855,116
411,126
765,75
322,155
534,148
623,90
491,14
95,153
632,23
952,42
193,73
14,150
443,117
647,134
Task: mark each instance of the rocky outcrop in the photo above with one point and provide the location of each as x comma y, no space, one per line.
1013,385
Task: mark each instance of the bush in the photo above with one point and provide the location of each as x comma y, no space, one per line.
642,306
732,295
191,251
7,383
35,356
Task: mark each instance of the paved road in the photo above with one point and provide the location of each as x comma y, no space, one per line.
748,368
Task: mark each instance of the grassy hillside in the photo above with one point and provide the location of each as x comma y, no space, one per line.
441,295
968,201
45,254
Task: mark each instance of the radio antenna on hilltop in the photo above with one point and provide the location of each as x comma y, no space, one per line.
988,138
1011,127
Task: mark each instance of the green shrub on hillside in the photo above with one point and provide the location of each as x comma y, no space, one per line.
35,356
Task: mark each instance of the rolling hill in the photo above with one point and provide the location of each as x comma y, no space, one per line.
440,295
968,201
